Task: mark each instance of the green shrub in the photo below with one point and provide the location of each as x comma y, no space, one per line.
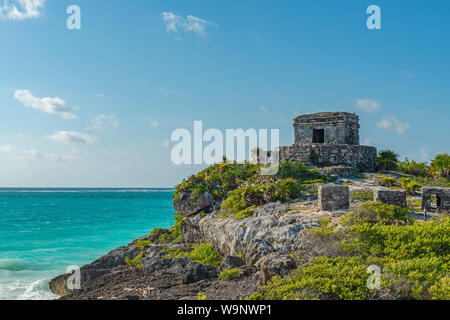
299,171
178,217
230,274
414,276
142,244
242,201
414,204
201,254
205,254
201,296
378,212
441,289
217,179
387,181
411,186
155,231
417,240
323,278
433,182
418,169
363,195
414,260
136,262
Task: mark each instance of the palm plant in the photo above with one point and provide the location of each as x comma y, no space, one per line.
387,160
441,165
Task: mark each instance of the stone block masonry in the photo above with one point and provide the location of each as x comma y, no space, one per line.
334,197
393,197
327,127
328,139
441,196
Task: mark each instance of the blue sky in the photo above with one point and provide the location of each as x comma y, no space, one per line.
129,77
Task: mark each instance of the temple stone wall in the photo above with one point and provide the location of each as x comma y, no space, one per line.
361,158
338,128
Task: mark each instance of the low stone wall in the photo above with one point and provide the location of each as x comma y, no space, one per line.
361,158
334,197
394,197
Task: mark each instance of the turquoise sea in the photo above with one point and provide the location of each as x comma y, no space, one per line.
43,232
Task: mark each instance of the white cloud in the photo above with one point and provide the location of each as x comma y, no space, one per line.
21,9
154,123
22,154
190,24
368,105
71,137
392,123
103,120
100,95
54,106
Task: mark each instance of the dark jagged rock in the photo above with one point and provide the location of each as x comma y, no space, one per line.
231,262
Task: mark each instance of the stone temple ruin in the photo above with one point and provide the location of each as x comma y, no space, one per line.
441,196
329,139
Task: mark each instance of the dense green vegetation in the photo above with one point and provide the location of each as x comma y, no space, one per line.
202,254
243,189
217,179
418,169
439,168
242,201
411,186
230,274
414,259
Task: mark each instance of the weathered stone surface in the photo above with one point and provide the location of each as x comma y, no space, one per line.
329,139
336,127
111,261
231,262
334,197
196,272
361,158
394,197
442,198
186,206
256,237
275,264
338,171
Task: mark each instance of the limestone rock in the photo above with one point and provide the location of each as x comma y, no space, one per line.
275,264
187,206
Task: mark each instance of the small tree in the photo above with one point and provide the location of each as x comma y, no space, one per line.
387,160
441,165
